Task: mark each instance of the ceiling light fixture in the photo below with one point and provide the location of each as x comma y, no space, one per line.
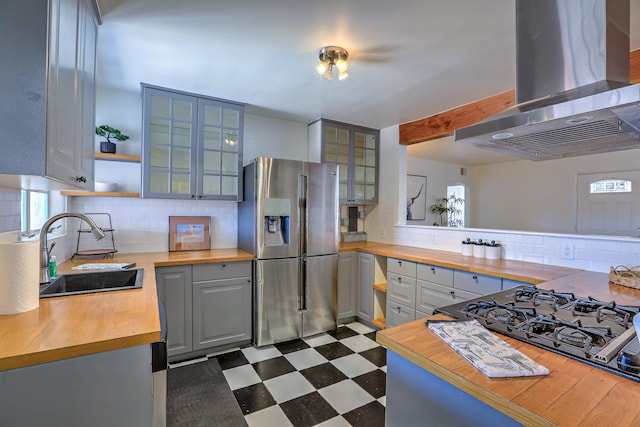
331,56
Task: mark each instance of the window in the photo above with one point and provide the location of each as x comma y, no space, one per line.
34,211
455,215
610,186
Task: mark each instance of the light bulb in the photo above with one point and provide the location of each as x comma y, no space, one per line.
342,65
342,75
327,73
321,67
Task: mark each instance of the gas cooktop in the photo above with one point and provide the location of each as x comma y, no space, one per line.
600,333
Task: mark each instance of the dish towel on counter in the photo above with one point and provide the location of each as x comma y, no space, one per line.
104,266
493,356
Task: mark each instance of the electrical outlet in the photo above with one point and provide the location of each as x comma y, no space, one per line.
567,251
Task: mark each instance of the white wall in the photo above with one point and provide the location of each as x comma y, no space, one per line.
266,136
537,196
439,176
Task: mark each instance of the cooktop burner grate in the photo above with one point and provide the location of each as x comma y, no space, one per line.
577,327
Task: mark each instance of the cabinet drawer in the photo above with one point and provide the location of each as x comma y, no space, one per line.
508,283
430,296
397,314
400,266
401,289
221,270
476,283
432,273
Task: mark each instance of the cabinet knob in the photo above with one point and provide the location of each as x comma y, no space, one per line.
399,279
433,270
224,265
193,196
399,263
81,179
452,293
475,277
398,308
199,196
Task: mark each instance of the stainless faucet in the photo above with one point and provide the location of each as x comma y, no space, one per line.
44,250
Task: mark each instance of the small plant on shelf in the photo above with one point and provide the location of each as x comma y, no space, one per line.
109,132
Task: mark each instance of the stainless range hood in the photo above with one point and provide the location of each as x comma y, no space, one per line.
572,85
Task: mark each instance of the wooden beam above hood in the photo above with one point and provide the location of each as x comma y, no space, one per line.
443,124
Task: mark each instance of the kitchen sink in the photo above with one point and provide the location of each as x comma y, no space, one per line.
85,283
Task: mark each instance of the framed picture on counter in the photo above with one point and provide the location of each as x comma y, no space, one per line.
189,233
416,197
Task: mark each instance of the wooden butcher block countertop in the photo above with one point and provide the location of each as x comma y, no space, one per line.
508,269
573,394
70,326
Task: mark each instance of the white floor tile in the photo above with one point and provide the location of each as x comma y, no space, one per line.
242,376
272,416
383,401
360,328
359,343
306,358
255,354
353,365
288,386
335,422
319,340
345,396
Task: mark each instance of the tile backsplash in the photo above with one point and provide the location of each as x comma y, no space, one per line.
9,209
142,225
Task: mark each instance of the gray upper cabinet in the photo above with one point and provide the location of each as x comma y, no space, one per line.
192,146
355,150
48,100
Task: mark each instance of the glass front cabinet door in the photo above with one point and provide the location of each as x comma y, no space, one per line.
355,150
192,146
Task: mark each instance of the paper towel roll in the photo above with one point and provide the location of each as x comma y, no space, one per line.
19,277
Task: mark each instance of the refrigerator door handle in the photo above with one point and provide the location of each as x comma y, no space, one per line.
302,203
302,284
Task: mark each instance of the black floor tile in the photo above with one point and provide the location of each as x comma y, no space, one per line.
376,355
369,415
291,346
308,410
334,350
342,332
272,368
323,375
232,359
374,382
253,398
371,335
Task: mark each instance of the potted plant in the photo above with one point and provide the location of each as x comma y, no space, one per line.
108,132
447,208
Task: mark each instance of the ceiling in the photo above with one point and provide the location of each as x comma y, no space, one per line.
407,60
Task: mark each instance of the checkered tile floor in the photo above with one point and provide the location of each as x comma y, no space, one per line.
332,379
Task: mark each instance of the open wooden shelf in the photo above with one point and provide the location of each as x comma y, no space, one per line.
380,322
99,194
382,287
117,157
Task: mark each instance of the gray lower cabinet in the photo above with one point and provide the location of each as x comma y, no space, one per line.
174,290
207,305
366,279
221,310
347,285
401,292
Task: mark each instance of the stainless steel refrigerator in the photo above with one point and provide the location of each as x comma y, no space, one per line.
289,221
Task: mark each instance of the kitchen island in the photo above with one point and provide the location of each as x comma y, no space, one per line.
574,393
